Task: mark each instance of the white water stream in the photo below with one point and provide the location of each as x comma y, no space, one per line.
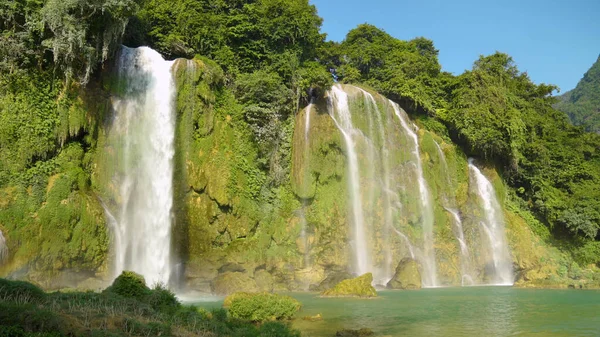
144,124
429,278
493,228
340,113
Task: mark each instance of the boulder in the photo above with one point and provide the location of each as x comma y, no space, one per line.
407,275
231,282
356,287
331,280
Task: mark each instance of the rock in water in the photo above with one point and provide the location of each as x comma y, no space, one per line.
356,287
331,280
315,318
407,275
364,332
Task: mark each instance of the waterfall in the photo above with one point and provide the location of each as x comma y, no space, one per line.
459,233
306,180
493,228
3,249
388,270
144,128
340,113
429,263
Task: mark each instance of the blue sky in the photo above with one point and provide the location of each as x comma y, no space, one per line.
554,41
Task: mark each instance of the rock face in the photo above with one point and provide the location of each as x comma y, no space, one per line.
331,280
356,287
231,282
407,275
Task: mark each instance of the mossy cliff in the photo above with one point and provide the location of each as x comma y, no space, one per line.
51,219
233,219
272,224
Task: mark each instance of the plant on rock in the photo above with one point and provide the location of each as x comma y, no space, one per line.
356,287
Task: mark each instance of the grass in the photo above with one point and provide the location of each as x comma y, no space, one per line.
26,310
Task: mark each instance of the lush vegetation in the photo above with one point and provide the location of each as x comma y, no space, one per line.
495,112
127,308
582,104
261,307
258,63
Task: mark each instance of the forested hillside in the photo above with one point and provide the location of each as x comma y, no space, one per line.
582,104
260,61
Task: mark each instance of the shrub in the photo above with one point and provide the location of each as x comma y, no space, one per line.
20,292
162,299
30,318
261,307
130,284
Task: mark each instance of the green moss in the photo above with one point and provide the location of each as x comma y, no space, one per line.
356,287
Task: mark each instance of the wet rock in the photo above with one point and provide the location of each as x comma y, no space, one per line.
264,280
356,287
407,275
331,280
231,268
364,332
314,318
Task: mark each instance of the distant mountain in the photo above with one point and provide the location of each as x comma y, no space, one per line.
582,104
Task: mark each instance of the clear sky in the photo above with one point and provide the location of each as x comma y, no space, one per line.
555,41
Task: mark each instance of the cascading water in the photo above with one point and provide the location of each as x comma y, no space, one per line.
492,228
387,270
429,262
3,249
144,131
459,233
340,113
304,222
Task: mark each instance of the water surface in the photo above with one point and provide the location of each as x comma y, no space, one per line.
475,311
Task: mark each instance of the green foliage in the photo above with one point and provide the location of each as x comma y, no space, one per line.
486,110
314,79
109,314
239,35
407,72
130,285
261,307
162,299
21,292
80,34
588,253
582,104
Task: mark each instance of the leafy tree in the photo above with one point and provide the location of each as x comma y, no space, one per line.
582,104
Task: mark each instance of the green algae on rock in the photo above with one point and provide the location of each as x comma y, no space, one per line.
407,275
356,287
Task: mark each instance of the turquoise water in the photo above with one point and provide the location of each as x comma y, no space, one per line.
477,311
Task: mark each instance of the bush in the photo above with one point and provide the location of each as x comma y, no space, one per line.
261,307
20,292
29,318
163,300
131,285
